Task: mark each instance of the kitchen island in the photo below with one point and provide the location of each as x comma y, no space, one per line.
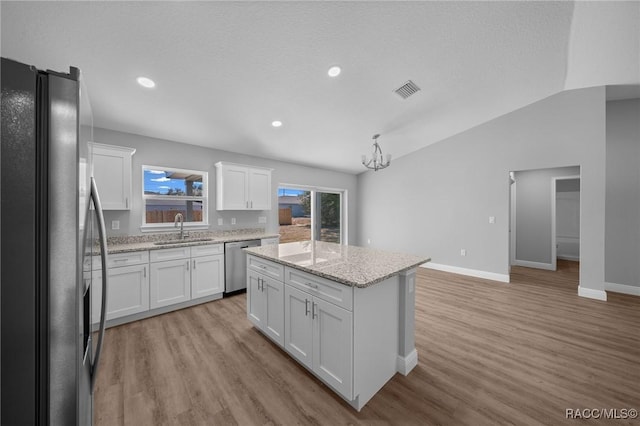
344,312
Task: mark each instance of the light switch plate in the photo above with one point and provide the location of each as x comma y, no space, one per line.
262,219
115,224
463,252
492,219
233,220
220,221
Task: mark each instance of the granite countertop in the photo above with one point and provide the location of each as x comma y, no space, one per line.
349,265
147,242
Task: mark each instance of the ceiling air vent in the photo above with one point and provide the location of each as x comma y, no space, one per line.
407,89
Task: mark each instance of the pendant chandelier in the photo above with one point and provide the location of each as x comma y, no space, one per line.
377,161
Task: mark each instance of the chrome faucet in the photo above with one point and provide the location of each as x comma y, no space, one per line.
180,218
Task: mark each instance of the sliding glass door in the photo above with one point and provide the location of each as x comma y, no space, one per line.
328,215
308,213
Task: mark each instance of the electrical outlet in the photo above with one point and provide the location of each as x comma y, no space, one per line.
262,219
233,220
463,252
492,219
220,221
115,224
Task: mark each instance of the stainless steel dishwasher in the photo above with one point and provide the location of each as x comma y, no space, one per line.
235,265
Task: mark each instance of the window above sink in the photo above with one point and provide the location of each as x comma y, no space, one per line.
167,191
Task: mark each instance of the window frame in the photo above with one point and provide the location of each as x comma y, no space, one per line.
204,198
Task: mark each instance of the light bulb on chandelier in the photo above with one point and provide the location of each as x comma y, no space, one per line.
377,161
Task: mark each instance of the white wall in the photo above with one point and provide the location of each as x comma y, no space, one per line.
533,213
159,152
438,200
622,242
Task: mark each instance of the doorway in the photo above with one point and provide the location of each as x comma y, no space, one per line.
544,217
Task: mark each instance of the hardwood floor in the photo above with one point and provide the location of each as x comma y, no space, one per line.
489,353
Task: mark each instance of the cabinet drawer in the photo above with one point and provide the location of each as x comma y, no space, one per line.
207,250
170,254
336,293
122,259
266,267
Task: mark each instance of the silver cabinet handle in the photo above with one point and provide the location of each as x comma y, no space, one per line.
247,204
120,260
187,265
311,285
194,264
314,314
306,307
145,272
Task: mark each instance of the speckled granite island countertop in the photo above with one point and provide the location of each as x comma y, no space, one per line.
349,265
193,238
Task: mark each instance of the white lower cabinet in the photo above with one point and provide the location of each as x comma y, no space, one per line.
128,292
296,311
265,305
207,275
184,273
319,334
170,282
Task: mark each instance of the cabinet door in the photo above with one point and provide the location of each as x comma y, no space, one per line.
255,299
170,283
112,172
128,292
273,294
232,188
259,189
332,346
298,325
207,275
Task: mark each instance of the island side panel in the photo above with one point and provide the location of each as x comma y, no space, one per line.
407,353
375,342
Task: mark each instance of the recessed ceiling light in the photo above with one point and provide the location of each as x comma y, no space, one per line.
146,82
334,71
276,123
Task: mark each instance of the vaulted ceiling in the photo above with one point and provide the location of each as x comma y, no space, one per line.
225,70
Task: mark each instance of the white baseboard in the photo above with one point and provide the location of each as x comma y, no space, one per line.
405,364
568,257
465,271
538,265
592,293
622,288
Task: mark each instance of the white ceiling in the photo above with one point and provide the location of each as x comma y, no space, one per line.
226,70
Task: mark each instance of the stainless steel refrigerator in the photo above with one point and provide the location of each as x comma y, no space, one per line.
49,219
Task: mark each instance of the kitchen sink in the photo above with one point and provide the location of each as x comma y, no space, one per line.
185,241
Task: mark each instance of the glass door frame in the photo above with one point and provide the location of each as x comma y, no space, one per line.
344,234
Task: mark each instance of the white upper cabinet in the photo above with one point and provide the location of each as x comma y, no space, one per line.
111,167
240,187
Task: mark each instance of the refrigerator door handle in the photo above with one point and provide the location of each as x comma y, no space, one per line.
103,256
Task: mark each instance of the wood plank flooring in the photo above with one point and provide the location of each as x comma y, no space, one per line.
489,353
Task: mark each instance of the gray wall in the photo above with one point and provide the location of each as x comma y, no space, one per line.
533,212
622,242
438,200
159,152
